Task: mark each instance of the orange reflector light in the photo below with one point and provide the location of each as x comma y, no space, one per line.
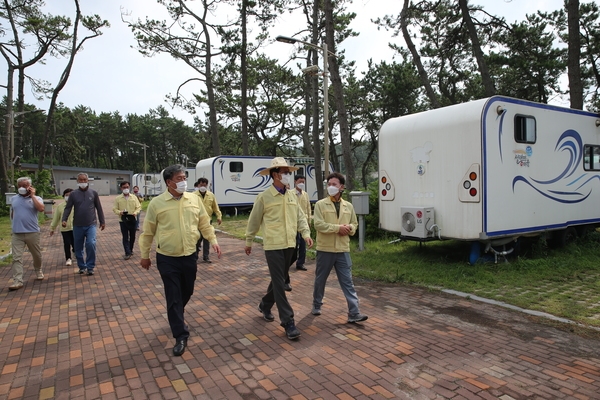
473,176
473,192
384,179
384,192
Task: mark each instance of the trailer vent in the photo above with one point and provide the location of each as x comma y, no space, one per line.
416,221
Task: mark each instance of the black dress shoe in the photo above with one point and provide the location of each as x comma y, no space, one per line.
267,315
180,346
301,268
287,287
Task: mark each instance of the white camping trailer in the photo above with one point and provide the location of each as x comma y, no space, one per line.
190,175
490,171
151,186
235,180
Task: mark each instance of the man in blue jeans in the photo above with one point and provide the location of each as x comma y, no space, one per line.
85,203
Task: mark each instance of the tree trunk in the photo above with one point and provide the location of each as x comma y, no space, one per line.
307,143
315,104
210,91
574,51
417,58
244,72
5,153
365,165
18,127
486,79
336,82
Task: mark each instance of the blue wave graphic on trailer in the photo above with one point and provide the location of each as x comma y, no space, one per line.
563,188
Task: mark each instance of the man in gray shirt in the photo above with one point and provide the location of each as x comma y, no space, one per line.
85,203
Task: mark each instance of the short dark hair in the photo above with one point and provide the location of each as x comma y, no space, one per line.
202,180
339,177
67,190
172,170
124,183
299,176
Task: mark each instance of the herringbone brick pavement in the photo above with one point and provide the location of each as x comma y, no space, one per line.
106,336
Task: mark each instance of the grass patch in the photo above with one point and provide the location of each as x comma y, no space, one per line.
561,282
234,226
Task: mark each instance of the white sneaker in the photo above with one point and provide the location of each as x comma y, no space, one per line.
39,275
69,262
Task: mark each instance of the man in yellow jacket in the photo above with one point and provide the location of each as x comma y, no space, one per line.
127,207
175,219
335,221
279,217
304,201
212,207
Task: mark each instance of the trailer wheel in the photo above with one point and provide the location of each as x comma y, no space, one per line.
583,230
562,238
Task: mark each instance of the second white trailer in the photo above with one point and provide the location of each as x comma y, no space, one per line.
235,180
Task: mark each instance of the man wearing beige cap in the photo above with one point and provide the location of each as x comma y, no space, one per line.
277,214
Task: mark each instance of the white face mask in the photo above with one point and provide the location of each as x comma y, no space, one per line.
66,198
202,189
82,185
300,186
286,178
125,191
181,187
332,190
22,191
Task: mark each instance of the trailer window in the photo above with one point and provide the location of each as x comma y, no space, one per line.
300,171
525,129
591,158
236,166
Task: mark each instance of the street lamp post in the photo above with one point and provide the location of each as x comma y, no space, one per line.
11,132
323,48
144,146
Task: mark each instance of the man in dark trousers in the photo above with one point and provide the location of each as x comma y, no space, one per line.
278,216
85,204
176,219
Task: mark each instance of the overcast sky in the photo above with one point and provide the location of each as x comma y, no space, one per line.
109,75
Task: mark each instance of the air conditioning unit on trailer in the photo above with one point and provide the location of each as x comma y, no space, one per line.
416,221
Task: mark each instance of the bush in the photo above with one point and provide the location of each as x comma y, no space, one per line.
372,230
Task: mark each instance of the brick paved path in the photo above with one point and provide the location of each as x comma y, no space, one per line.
106,336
